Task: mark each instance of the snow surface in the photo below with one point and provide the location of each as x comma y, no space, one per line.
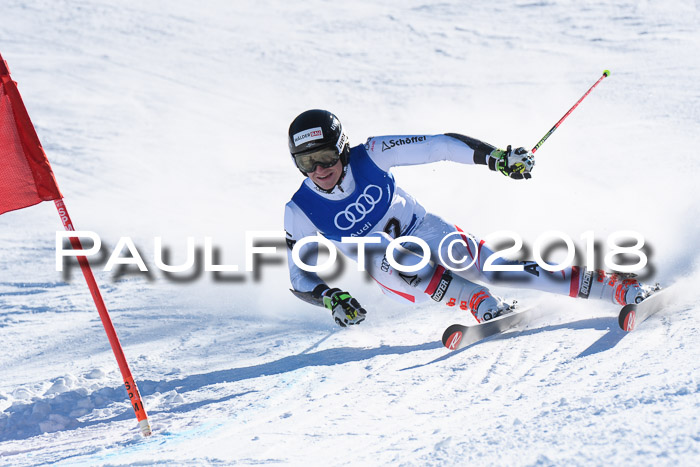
169,119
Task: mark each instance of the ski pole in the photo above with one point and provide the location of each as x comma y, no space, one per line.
606,73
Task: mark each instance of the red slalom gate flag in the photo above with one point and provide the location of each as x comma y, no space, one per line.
26,179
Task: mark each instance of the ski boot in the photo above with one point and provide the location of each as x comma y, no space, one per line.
459,292
486,306
621,288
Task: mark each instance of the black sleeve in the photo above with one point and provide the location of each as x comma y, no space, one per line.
481,149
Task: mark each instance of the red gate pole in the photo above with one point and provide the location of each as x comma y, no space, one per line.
27,166
129,383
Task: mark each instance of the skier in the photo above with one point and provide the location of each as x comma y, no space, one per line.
349,192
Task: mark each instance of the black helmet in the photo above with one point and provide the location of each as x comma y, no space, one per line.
318,129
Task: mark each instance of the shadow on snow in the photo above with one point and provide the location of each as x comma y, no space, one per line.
24,420
606,342
21,421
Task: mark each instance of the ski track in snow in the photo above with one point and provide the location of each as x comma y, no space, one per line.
161,118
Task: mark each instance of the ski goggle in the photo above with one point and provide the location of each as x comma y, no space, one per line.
308,162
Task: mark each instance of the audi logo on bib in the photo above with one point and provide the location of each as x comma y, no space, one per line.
355,212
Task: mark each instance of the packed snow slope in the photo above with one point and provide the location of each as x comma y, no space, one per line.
169,118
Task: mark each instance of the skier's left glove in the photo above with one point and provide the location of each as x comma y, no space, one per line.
345,309
513,163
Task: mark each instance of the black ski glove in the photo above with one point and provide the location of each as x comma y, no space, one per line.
516,164
346,310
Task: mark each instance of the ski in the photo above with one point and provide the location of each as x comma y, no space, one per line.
458,336
632,315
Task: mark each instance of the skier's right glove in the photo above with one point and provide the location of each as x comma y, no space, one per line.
517,163
345,309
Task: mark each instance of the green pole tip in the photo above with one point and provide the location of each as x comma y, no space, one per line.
606,72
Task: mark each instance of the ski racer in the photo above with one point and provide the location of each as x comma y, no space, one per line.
350,192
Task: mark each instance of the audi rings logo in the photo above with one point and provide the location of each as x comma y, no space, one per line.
355,212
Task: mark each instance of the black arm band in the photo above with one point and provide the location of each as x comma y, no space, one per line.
319,289
492,163
481,149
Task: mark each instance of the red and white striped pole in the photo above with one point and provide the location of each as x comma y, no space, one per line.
129,383
606,73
